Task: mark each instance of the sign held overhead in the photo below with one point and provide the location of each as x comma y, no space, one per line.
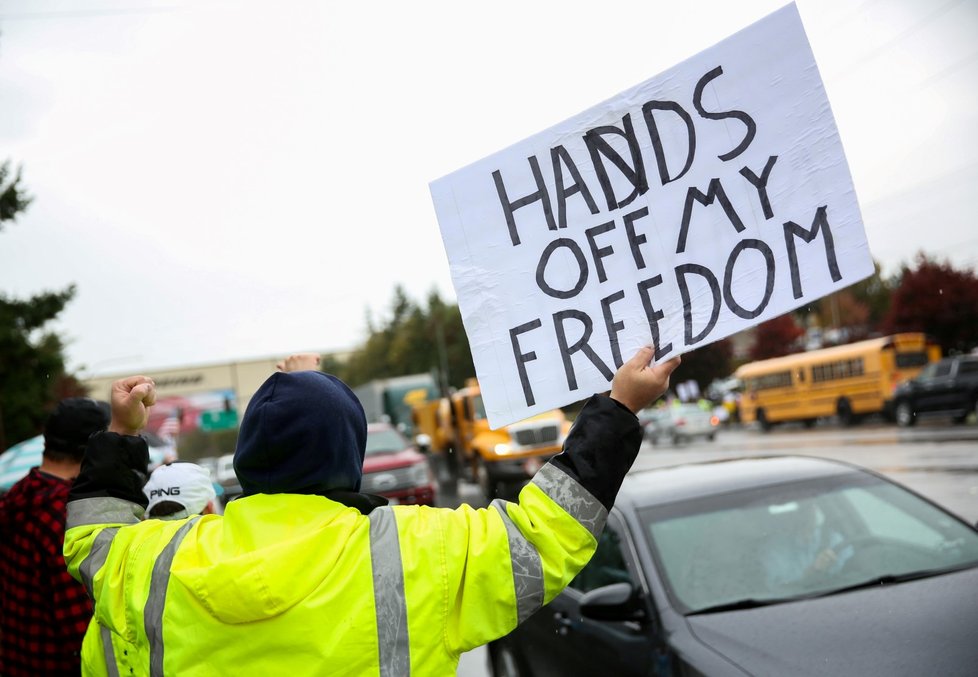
703,201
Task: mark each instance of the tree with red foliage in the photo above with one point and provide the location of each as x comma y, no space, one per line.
776,337
938,299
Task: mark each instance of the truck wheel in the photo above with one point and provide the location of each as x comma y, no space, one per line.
469,469
446,470
762,420
904,414
844,411
453,464
487,482
449,461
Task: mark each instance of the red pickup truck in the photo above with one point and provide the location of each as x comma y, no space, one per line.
395,469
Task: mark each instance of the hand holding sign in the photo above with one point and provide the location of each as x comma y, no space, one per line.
638,383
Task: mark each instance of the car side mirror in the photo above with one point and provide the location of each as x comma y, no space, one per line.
615,602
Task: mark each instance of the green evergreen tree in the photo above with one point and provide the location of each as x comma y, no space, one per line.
412,339
32,369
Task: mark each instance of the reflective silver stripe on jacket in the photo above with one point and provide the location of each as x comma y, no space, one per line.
389,598
527,567
153,612
110,667
96,558
572,497
102,510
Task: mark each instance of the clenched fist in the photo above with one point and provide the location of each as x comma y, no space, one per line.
299,362
131,399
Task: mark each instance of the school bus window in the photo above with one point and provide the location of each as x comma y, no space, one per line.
838,370
781,379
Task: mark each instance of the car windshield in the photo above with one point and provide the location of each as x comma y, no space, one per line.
801,539
385,442
478,408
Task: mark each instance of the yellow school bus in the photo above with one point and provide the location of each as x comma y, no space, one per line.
847,381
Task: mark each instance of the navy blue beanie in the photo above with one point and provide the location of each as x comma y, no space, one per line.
303,433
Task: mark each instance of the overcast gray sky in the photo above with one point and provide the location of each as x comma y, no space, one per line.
226,180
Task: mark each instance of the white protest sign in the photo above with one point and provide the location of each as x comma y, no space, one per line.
703,201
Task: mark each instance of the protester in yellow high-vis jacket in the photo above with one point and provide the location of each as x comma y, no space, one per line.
304,575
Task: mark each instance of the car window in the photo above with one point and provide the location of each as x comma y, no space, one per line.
905,360
478,408
384,441
942,369
968,367
800,539
607,566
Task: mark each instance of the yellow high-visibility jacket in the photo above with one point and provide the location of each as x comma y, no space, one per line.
294,585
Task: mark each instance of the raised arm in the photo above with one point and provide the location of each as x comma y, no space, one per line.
516,557
109,489
116,461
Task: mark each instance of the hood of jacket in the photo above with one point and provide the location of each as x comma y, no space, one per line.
243,567
303,433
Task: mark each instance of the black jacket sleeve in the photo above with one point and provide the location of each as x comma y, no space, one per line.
601,447
114,465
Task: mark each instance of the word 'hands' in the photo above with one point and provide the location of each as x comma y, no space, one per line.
639,383
299,362
131,399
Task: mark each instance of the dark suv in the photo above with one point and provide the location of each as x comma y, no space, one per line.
948,386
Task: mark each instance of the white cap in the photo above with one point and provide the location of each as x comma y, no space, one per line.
185,483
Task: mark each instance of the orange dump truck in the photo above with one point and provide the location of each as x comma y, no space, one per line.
502,460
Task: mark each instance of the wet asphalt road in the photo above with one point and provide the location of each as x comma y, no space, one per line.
935,458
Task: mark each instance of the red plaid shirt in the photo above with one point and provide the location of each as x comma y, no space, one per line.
44,610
